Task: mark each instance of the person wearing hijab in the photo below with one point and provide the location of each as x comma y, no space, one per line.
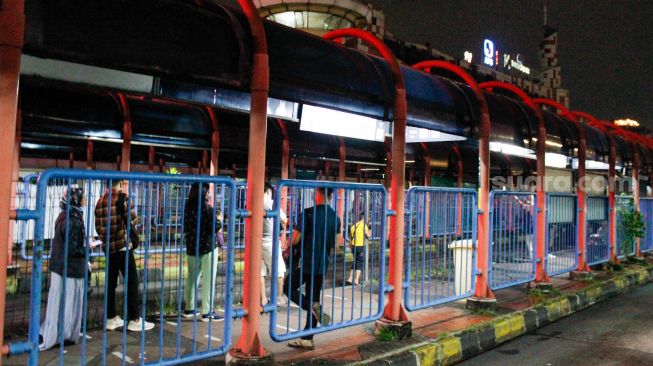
68,268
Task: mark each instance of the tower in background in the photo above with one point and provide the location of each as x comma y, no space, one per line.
550,76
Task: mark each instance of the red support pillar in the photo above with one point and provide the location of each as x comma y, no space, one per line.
205,162
249,345
612,177
161,165
215,142
292,169
150,159
125,157
394,311
482,292
89,154
71,160
580,186
540,273
12,29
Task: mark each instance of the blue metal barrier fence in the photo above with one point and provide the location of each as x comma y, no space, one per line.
561,233
320,263
440,245
512,238
164,276
646,208
597,229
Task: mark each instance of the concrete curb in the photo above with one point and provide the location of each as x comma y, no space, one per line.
450,349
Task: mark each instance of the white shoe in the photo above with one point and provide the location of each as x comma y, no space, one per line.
139,325
114,323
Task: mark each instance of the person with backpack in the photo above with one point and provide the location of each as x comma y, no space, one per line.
112,223
203,245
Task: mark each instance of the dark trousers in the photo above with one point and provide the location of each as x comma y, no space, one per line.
117,265
359,258
313,284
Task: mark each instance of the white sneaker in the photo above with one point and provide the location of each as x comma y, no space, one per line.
139,325
114,323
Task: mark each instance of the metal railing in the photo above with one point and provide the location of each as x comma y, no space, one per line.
561,233
440,245
317,261
597,229
164,276
646,208
512,238
625,245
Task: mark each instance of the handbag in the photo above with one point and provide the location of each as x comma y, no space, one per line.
134,234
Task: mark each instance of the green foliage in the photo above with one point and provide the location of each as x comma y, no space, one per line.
632,224
614,267
536,295
387,335
485,312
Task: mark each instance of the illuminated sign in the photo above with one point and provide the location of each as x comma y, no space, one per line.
468,56
488,51
516,64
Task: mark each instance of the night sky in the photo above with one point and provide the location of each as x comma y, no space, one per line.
605,47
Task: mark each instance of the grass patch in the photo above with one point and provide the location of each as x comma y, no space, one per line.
387,335
485,312
536,295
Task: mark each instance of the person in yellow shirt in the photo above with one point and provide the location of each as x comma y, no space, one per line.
358,233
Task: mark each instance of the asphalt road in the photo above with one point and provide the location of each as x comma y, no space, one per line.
618,331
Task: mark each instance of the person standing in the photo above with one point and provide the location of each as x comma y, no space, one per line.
266,266
315,236
202,251
359,233
111,223
67,245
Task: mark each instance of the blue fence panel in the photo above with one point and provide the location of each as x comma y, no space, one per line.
625,245
597,229
151,289
440,266
512,236
318,262
646,208
561,233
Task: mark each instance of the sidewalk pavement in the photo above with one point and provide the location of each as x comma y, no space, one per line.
447,334
442,335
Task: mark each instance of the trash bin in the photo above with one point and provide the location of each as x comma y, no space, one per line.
463,251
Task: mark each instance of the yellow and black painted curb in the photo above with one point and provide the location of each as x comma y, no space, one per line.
453,348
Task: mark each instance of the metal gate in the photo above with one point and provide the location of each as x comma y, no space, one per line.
512,238
318,266
561,233
646,208
440,232
174,338
598,230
